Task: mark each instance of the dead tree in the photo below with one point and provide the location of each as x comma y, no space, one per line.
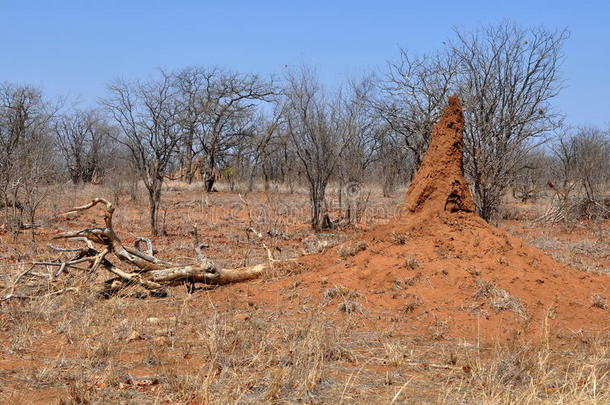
313,122
147,115
24,152
581,175
218,112
137,266
85,145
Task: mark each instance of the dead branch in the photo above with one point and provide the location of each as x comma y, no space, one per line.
260,236
145,269
17,279
201,258
149,245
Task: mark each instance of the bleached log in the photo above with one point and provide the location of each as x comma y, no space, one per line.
149,272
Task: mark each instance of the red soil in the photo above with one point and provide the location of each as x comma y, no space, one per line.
424,272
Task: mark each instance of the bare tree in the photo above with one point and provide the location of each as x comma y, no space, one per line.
314,125
271,153
84,140
511,76
592,165
412,96
147,113
37,170
259,154
506,76
192,84
363,131
218,111
581,175
393,163
531,179
24,151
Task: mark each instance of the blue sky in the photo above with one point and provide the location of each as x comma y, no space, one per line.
74,48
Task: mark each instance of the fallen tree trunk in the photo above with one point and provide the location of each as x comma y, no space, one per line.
203,273
146,270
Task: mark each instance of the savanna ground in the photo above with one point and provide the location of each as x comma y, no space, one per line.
221,346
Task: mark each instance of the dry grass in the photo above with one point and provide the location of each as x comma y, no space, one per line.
586,254
538,375
599,300
400,238
412,301
411,263
340,291
348,297
350,307
220,358
349,249
499,299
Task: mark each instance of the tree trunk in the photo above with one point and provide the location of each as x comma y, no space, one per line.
209,181
317,198
154,200
210,175
188,157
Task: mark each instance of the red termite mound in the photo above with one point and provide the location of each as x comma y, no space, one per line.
439,184
441,270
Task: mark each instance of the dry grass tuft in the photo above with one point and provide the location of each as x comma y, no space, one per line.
340,291
412,301
349,307
499,299
438,329
411,263
284,269
400,238
348,296
599,300
351,249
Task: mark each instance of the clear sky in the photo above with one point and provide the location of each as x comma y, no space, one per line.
74,48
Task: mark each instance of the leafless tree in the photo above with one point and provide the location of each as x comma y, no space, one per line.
271,154
260,154
85,142
531,179
581,175
506,77
25,154
192,84
363,131
412,96
37,171
393,166
121,176
592,163
148,114
313,122
511,77
218,111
